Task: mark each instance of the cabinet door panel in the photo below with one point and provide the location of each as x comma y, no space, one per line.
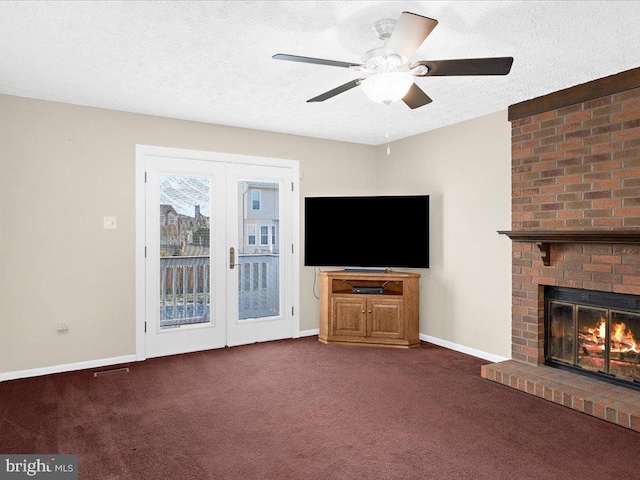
348,317
385,318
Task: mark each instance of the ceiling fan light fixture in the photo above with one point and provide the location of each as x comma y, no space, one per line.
387,87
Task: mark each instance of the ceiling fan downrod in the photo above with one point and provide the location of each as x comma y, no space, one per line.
384,28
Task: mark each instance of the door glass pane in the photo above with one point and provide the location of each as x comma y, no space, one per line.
624,341
560,346
185,211
259,269
592,332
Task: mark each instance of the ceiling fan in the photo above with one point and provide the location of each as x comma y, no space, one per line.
389,74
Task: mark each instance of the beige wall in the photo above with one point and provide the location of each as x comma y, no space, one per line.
64,167
466,169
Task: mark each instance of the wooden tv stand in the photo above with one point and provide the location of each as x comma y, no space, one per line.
387,319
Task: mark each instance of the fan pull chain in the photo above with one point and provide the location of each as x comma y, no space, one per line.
388,146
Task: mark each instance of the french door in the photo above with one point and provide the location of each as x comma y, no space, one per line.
219,265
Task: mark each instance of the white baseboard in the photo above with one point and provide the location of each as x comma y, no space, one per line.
309,333
462,349
437,341
103,362
67,367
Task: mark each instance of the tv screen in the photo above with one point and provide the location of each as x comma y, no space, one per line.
370,232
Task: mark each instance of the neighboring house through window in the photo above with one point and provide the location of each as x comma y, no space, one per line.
168,215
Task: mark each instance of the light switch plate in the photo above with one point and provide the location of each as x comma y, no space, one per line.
109,223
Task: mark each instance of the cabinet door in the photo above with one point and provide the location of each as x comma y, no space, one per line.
385,318
348,317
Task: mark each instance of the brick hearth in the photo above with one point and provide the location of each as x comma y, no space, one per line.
575,166
613,403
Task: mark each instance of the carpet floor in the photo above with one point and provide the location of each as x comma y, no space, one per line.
297,409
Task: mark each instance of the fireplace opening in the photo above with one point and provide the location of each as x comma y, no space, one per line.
596,333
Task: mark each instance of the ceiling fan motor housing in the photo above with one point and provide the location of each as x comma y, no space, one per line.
382,59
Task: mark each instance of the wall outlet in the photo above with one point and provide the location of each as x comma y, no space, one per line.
62,328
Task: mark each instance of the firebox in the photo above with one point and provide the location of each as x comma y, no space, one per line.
596,333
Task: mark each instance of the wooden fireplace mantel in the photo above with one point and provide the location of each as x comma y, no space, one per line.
544,238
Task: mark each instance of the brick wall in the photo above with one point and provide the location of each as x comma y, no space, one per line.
574,168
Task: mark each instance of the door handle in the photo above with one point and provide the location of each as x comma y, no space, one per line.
232,258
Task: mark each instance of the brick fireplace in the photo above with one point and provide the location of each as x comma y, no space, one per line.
575,169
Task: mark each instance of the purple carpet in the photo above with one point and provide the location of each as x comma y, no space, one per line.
298,409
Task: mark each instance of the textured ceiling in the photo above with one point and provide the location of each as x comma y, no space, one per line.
211,61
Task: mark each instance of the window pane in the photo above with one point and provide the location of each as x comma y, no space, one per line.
255,199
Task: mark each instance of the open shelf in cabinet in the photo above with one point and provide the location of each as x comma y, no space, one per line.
389,287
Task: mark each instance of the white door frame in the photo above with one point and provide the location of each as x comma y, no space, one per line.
142,151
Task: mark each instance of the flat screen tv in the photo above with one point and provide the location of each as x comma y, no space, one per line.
375,232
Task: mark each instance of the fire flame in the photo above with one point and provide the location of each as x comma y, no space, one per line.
600,331
621,339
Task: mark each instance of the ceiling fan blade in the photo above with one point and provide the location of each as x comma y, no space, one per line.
469,66
317,61
336,91
416,97
409,33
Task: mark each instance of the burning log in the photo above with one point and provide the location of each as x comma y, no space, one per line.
593,350
625,357
590,339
